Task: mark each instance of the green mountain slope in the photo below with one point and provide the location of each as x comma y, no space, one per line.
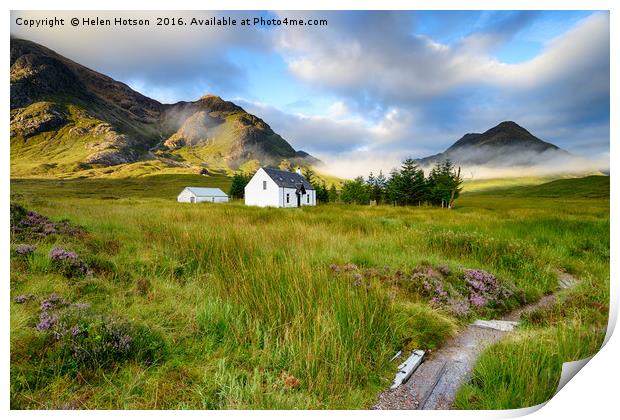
68,120
221,134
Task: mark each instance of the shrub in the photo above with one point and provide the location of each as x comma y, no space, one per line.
24,250
24,298
81,337
68,263
432,286
29,225
460,293
485,289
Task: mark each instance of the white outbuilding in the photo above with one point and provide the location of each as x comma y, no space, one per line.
274,188
200,195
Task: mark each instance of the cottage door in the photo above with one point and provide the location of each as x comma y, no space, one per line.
192,199
298,199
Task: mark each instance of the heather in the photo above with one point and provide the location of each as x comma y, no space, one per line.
24,249
83,337
70,338
30,225
460,292
68,263
215,307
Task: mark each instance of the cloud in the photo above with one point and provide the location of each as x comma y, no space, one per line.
316,134
459,87
180,62
337,133
350,146
349,165
394,64
552,164
392,92
580,54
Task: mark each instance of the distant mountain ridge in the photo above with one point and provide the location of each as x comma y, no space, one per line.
66,118
506,144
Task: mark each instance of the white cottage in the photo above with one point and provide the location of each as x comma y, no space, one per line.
274,188
199,195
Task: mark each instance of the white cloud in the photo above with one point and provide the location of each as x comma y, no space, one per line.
393,93
352,146
338,110
360,163
399,66
182,62
440,92
575,54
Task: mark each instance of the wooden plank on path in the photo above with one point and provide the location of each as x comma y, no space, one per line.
499,325
406,369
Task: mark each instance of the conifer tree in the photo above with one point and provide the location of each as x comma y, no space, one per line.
237,187
333,194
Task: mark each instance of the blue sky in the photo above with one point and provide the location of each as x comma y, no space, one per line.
531,29
371,88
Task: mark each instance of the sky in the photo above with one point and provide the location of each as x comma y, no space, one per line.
371,87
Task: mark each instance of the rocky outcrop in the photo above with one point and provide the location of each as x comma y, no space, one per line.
36,119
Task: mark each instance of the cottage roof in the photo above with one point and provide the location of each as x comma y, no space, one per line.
288,179
207,192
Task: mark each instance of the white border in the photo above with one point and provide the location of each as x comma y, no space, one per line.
592,394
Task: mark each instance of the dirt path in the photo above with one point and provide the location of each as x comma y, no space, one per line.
434,384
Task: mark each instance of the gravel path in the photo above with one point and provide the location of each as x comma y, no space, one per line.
434,384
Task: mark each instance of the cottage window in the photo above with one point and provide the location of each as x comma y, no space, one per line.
308,198
264,185
288,198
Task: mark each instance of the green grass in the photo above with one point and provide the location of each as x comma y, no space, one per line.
524,370
253,317
165,187
477,185
594,186
492,185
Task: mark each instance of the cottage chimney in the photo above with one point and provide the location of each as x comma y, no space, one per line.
298,170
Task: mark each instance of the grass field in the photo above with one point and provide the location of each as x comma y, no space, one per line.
226,306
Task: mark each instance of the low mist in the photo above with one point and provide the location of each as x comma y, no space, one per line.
481,163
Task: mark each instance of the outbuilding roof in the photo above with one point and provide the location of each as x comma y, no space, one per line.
207,192
288,179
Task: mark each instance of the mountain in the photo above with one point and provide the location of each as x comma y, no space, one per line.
68,119
506,144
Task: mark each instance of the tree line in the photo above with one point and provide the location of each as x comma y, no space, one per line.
406,186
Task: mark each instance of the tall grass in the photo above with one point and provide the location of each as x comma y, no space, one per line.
524,370
252,315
